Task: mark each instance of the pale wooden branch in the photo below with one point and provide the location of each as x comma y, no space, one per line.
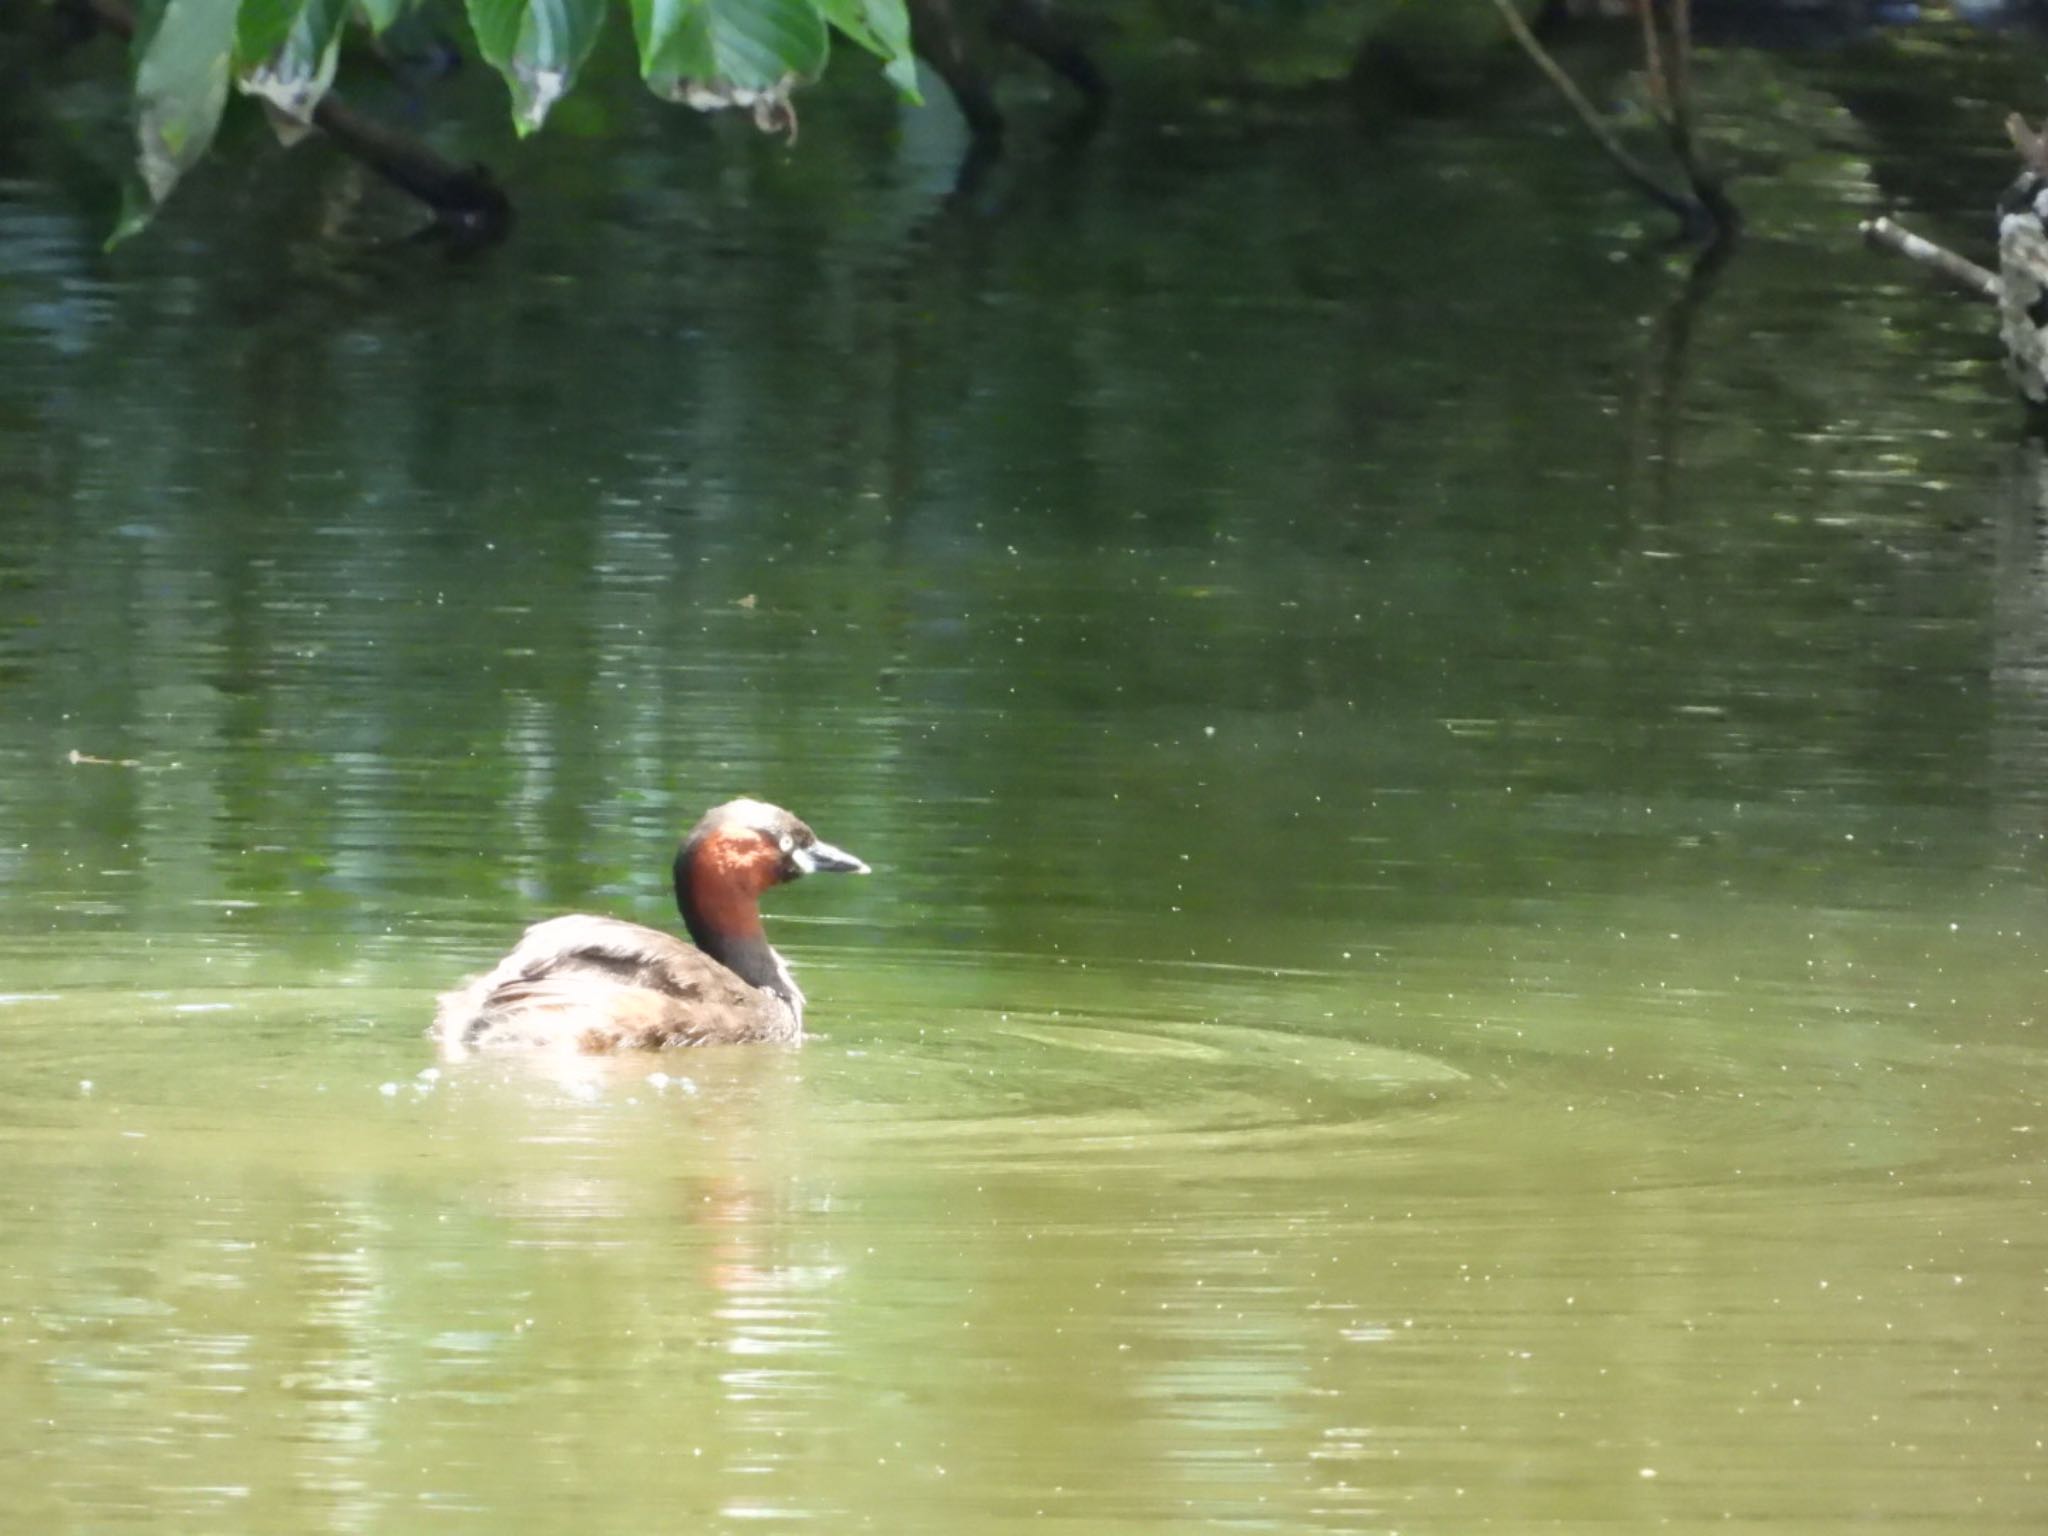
2033,147
1963,273
1653,57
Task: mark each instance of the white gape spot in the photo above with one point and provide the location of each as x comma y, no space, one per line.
801,857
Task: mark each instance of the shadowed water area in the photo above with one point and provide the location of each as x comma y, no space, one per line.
1456,938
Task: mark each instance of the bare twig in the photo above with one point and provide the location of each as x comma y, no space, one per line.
1679,123
1960,271
1677,202
1681,69
1653,57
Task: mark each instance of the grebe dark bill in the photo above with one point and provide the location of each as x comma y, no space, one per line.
597,984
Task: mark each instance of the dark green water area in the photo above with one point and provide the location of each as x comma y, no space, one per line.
1457,938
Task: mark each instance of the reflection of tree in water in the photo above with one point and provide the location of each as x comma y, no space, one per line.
2019,642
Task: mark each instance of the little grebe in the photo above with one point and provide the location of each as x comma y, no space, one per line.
598,984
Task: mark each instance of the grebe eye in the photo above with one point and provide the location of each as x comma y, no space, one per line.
788,842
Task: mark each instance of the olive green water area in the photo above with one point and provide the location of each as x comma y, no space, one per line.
1456,939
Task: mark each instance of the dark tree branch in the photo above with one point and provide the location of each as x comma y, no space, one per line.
467,201
1679,121
944,42
1706,208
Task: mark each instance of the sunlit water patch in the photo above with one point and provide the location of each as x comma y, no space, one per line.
1175,1232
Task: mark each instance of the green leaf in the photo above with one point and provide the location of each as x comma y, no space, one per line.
183,51
261,28
496,24
380,14
659,28
728,51
537,45
295,75
883,28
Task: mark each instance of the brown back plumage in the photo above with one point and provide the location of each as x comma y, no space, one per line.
598,984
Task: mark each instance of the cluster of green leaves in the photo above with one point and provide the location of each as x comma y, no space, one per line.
705,53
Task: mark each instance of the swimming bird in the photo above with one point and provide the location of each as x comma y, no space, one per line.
598,984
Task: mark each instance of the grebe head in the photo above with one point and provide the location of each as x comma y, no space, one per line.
735,853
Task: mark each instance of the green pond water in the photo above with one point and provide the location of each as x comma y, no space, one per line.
1456,939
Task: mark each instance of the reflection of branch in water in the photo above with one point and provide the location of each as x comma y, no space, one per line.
932,280
2020,598
2019,643
971,174
1660,390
